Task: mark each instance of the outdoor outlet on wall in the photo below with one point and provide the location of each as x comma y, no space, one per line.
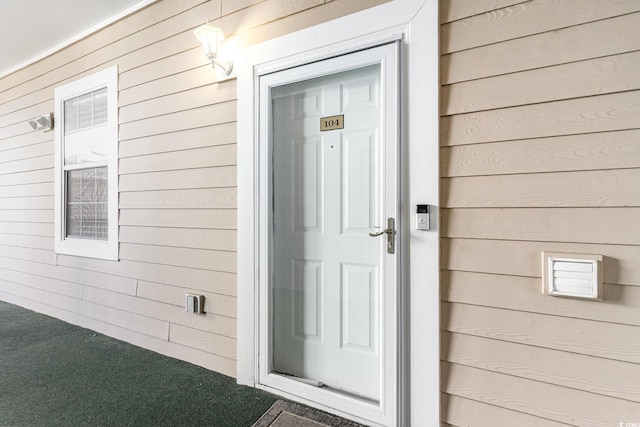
194,303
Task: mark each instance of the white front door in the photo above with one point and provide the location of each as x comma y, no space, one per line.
330,306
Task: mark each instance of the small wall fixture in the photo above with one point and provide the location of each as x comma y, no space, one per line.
43,123
572,275
194,303
211,39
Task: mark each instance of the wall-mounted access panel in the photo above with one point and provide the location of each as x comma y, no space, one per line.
572,275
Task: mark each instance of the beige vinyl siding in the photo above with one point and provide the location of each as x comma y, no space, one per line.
177,183
540,151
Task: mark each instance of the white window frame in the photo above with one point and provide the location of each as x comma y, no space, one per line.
91,248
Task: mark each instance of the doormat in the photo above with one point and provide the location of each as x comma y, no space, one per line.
286,414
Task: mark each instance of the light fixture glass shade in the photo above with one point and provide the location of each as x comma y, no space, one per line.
210,38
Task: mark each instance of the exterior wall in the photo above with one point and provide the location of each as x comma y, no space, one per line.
540,150
177,184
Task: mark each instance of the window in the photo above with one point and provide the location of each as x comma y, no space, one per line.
86,175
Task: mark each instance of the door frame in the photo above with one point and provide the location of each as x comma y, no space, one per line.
416,21
390,348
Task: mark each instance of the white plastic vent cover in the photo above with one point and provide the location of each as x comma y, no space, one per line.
572,275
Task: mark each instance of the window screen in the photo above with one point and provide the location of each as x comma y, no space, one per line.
86,203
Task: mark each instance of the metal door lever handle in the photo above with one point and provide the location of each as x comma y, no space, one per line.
390,231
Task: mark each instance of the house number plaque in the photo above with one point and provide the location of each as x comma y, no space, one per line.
332,123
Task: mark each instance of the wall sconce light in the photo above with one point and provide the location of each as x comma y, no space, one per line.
211,39
43,123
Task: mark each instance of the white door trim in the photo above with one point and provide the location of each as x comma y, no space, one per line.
417,21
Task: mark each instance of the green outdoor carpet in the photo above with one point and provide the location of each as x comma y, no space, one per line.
56,374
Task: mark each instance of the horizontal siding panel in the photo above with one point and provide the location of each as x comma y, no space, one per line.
222,176
620,304
15,130
591,338
560,404
524,258
35,242
162,103
200,279
453,10
460,411
160,48
203,341
207,360
174,64
44,162
577,116
95,279
601,376
588,41
59,287
37,96
27,215
208,136
119,318
201,198
524,19
220,155
42,202
35,255
196,238
31,177
27,228
201,76
614,188
223,305
152,327
609,150
578,79
187,218
580,225
230,6
206,116
27,152
25,140
263,13
304,19
220,325
182,257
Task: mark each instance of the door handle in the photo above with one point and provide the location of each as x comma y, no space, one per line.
390,231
